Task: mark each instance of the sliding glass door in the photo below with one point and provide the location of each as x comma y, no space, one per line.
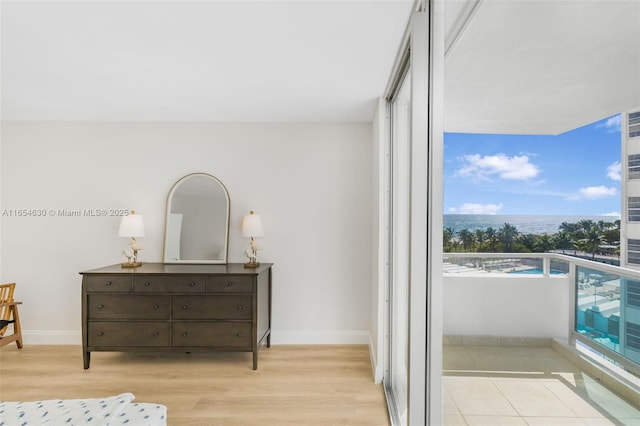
413,362
397,378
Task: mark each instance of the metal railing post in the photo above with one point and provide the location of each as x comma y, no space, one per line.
546,266
573,273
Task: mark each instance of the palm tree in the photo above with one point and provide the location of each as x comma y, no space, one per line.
544,243
492,239
507,235
569,228
525,243
467,238
480,238
562,240
447,236
612,232
592,240
586,235
584,227
580,245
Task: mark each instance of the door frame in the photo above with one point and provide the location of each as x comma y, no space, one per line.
424,45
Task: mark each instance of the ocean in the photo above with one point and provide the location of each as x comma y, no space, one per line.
526,224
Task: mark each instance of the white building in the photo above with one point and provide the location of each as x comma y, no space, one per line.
630,219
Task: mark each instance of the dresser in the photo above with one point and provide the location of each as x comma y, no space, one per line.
178,308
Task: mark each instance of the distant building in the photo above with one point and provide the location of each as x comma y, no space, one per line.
630,187
629,319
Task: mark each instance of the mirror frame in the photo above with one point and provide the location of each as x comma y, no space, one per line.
173,189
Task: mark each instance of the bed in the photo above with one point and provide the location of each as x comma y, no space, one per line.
115,410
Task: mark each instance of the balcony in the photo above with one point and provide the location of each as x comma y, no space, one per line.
540,339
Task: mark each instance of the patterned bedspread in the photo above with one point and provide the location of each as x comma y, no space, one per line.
111,411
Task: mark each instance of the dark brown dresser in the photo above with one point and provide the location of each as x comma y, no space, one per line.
178,308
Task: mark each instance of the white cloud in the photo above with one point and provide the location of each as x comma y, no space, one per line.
594,193
613,214
484,167
614,170
612,124
475,208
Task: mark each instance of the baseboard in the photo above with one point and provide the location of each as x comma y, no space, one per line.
496,341
278,337
375,366
44,337
319,337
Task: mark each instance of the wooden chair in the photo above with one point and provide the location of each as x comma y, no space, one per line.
9,315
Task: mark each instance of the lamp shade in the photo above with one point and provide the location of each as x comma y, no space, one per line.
131,226
252,226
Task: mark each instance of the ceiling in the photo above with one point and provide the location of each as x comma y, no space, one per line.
519,66
198,60
543,67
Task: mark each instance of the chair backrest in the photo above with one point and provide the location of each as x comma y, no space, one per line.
6,296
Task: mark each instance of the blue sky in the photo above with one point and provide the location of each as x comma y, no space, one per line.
574,173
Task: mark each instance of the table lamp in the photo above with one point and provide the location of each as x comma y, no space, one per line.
131,226
252,227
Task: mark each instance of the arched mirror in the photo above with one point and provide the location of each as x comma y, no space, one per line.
197,221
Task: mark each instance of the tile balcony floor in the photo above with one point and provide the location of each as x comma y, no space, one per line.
497,385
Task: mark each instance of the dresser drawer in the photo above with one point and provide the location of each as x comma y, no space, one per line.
107,283
229,284
211,307
128,306
211,334
168,284
127,333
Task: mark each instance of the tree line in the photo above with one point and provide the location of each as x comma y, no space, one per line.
586,235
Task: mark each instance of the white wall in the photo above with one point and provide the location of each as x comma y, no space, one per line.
518,306
311,183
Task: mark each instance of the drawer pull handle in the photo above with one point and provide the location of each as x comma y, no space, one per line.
100,306
156,334
192,284
156,306
239,334
239,307
184,334
147,284
108,283
185,307
100,333
229,284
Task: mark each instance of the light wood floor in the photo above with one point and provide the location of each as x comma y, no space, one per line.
294,385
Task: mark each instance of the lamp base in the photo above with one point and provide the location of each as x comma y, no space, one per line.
131,264
252,264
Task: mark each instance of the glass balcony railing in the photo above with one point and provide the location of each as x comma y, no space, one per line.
598,306
608,312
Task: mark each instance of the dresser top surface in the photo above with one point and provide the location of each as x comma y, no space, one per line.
164,268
